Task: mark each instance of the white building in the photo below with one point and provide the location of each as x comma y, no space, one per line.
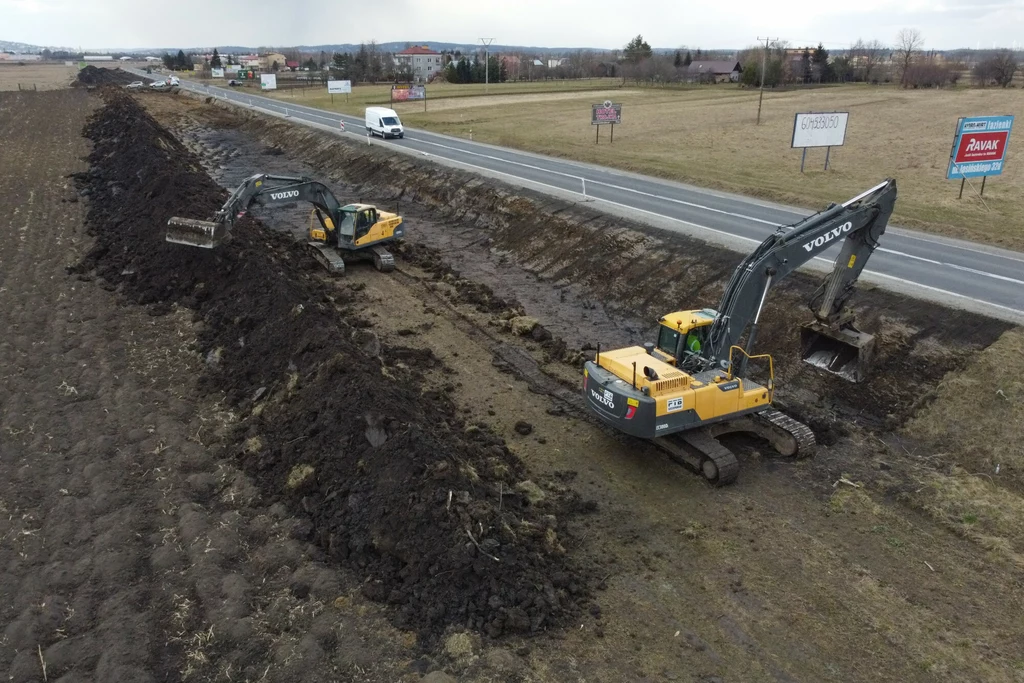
421,61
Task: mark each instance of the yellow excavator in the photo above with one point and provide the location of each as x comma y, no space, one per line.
336,232
693,385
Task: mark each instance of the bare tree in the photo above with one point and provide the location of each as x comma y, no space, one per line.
1004,66
866,56
908,42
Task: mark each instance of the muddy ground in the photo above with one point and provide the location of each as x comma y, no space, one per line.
782,577
858,546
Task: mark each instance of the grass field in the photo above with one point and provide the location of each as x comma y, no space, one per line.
707,136
40,76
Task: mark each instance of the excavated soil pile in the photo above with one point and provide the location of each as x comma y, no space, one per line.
426,508
95,76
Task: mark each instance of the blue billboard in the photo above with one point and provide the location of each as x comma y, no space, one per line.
979,146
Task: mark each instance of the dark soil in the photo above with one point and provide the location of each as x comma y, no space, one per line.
95,76
397,487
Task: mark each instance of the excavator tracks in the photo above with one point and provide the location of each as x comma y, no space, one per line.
328,257
701,452
383,260
779,428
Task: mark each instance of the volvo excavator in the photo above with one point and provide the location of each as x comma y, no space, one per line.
335,231
694,384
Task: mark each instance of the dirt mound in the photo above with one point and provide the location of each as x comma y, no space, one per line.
423,506
96,76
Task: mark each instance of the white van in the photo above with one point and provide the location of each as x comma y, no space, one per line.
383,122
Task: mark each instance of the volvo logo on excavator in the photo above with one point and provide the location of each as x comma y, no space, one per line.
828,236
284,195
606,398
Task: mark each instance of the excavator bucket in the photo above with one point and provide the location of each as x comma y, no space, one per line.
842,351
194,233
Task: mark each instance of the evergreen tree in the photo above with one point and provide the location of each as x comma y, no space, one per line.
821,66
679,59
215,61
637,50
805,66
688,59
182,61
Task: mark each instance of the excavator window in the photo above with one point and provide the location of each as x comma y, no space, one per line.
668,341
365,220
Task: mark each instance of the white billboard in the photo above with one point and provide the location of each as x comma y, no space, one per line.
339,87
217,73
268,81
819,129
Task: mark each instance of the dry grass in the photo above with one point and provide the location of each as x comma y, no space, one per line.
977,422
39,76
978,414
707,136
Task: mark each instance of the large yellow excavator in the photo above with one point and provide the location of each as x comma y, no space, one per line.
336,232
693,384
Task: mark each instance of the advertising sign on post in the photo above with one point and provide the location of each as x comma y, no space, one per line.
339,87
268,81
605,113
406,93
979,148
819,129
217,73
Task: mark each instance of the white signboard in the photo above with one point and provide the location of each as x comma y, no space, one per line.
820,129
217,73
268,81
339,87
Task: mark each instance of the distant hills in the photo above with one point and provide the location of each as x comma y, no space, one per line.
394,46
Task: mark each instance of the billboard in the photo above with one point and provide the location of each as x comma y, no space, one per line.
339,87
404,93
605,113
820,129
268,81
217,73
979,146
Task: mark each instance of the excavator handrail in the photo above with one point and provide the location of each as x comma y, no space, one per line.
771,367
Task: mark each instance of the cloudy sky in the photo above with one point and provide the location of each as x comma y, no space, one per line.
562,23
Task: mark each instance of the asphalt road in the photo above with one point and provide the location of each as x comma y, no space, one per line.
963,274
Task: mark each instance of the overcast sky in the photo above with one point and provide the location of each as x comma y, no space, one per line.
92,24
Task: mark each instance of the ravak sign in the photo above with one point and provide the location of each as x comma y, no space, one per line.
822,240
979,146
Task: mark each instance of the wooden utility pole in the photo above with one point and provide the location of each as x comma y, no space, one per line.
764,65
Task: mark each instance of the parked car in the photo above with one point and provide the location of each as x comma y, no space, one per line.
158,85
233,82
136,85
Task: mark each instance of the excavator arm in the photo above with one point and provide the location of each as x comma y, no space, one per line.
263,189
859,223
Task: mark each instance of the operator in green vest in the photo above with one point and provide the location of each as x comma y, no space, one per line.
692,343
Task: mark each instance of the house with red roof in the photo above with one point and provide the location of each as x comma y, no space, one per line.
420,61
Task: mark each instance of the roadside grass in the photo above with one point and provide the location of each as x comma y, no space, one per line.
976,422
707,136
